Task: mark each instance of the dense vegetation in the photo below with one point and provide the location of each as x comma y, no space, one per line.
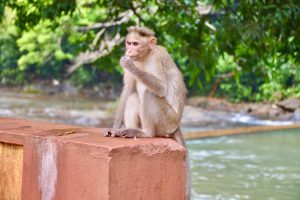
245,50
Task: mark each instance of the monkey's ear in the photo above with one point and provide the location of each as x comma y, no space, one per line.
152,42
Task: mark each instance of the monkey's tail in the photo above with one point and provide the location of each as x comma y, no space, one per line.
178,137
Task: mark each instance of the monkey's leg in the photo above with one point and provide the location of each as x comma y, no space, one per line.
131,118
158,115
132,121
132,112
157,118
146,116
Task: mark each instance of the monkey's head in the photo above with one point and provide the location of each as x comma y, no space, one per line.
139,42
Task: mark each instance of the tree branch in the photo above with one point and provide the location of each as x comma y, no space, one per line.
125,18
105,47
87,57
134,10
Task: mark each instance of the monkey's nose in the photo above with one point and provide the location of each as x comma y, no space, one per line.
128,53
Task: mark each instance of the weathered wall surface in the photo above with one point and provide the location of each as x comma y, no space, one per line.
66,162
11,165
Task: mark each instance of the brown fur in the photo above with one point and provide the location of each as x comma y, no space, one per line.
154,92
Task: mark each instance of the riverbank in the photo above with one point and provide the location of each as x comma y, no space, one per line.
285,110
200,114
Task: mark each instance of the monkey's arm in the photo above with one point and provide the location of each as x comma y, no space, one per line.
127,90
153,83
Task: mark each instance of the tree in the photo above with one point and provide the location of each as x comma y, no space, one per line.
256,41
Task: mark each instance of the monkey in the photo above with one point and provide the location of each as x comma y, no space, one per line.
153,95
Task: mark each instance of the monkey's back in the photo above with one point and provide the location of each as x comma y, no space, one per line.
176,90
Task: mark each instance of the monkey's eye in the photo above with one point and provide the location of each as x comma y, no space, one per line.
135,43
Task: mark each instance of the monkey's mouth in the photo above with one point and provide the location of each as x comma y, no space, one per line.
134,57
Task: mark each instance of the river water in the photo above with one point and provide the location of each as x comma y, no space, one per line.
256,166
264,166
74,110
85,111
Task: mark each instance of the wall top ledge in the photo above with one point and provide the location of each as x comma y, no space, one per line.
16,130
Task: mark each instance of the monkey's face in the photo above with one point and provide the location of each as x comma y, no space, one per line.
137,47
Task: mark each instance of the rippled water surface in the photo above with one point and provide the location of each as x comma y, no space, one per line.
263,166
77,110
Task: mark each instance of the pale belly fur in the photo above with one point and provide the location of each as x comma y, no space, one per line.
141,88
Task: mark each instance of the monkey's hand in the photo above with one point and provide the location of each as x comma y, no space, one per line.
116,127
111,132
126,63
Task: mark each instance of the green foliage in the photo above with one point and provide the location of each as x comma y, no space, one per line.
226,63
42,55
30,12
280,75
252,47
9,53
236,92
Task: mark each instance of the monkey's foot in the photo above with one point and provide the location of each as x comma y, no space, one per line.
126,133
112,133
130,133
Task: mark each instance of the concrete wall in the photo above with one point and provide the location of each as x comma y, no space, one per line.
51,161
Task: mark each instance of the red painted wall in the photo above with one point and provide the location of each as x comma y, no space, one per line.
74,163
